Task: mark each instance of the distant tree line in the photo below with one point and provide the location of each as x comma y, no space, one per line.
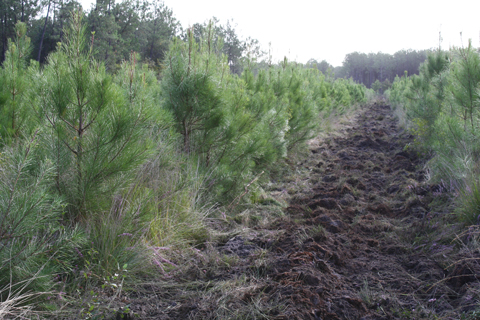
374,70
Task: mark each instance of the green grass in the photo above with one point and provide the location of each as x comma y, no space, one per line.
469,205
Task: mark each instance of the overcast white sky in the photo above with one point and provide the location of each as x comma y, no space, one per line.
329,29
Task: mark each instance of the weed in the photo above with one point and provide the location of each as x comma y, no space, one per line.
469,205
473,315
366,294
318,232
355,192
302,235
260,264
341,182
369,164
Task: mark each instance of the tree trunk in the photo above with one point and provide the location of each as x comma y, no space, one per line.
43,33
61,21
4,40
153,38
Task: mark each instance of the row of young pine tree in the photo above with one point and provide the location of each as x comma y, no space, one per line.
96,168
442,105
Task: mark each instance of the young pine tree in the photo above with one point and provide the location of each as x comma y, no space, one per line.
192,84
96,128
233,128
303,109
30,229
464,81
14,111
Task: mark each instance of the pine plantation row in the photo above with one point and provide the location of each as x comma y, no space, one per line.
98,169
442,107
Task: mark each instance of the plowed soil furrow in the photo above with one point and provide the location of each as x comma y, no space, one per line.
340,257
342,250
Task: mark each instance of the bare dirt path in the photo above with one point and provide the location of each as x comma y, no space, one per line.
355,265
357,259
343,250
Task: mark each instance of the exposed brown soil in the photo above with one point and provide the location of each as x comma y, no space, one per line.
346,247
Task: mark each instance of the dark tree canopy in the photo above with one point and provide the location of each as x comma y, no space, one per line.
116,28
13,11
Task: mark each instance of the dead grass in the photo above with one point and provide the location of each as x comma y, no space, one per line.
18,303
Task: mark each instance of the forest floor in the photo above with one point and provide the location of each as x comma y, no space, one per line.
355,231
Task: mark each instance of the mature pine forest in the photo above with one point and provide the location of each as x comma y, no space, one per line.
117,29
